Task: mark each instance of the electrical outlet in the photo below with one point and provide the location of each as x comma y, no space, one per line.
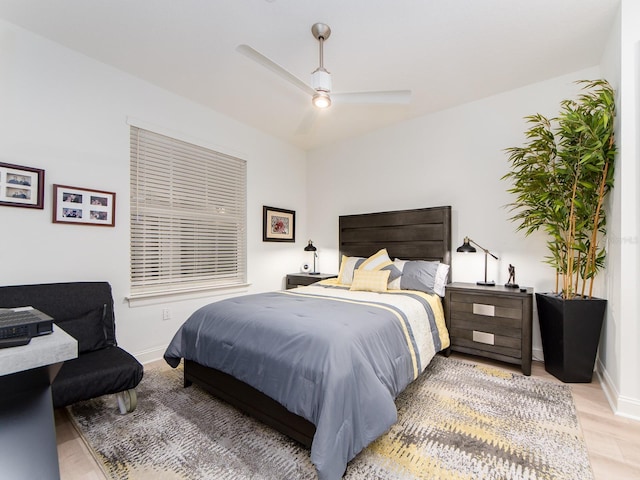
166,314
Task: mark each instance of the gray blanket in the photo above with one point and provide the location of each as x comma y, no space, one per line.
338,362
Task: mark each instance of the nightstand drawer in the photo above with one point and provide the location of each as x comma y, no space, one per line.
488,334
294,281
499,326
303,279
485,341
486,305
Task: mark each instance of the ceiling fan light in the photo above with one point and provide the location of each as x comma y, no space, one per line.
321,100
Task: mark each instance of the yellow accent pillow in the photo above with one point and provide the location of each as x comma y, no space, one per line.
377,261
370,280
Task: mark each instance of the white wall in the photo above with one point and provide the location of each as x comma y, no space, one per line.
65,113
455,157
619,358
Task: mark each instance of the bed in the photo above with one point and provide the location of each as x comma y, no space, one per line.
320,351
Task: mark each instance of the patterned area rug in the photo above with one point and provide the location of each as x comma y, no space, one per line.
457,421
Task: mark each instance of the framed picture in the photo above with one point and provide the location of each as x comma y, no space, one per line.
83,207
21,186
278,225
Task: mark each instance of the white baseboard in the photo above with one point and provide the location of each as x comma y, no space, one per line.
621,405
537,355
151,355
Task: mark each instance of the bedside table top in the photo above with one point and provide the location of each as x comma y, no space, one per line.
501,289
321,276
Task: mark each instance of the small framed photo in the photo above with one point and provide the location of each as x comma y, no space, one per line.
278,225
21,186
83,207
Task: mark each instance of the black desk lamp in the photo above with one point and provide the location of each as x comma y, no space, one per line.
467,248
311,248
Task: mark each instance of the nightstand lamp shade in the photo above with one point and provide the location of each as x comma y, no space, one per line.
312,248
466,247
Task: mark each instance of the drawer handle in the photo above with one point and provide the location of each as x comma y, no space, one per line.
483,337
486,310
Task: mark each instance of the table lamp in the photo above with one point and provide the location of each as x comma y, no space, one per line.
466,247
311,248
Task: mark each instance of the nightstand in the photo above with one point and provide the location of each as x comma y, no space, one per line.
302,279
491,322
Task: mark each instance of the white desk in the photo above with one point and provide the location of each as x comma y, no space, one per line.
27,426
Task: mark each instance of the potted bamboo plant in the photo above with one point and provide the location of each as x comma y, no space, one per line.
560,179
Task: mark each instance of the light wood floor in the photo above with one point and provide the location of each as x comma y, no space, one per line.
613,442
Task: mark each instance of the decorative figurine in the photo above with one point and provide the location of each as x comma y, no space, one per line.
511,283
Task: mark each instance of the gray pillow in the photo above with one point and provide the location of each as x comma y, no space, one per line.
419,275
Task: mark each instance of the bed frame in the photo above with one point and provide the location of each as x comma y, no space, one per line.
420,234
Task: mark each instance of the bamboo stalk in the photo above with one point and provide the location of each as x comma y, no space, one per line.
570,240
577,280
594,232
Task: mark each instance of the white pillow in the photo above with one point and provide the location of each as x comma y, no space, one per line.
441,279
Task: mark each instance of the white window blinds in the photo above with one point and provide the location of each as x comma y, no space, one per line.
188,216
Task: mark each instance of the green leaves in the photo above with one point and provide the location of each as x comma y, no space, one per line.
560,178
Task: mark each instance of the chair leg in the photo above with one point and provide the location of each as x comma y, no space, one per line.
127,401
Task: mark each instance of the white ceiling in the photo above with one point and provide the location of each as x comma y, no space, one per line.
448,52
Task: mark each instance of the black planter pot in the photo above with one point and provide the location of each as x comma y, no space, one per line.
570,331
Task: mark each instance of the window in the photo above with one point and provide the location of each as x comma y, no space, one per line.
188,216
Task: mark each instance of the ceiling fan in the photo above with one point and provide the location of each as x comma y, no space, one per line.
320,88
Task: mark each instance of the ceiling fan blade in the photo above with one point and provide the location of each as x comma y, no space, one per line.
398,97
274,67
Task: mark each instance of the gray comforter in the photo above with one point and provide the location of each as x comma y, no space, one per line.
336,358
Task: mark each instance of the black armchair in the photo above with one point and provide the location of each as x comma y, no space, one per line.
85,311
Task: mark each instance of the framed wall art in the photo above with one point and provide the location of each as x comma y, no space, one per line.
21,186
278,225
83,206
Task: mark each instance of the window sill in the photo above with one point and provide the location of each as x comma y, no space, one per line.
152,298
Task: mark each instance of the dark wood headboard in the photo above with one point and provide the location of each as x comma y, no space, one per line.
420,234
